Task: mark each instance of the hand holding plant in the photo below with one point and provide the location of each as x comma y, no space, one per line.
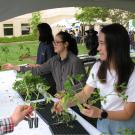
57,107
29,87
91,111
61,108
20,113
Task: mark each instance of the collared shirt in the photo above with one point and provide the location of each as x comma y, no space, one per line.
6,126
60,69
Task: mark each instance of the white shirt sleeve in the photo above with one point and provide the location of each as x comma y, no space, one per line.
130,92
92,79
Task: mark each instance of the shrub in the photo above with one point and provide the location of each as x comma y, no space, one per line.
18,39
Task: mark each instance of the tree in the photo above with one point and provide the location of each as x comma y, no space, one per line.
121,16
133,23
89,15
35,20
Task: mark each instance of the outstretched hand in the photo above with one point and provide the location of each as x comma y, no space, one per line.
7,66
10,67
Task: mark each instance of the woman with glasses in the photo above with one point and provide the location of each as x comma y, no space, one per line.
64,64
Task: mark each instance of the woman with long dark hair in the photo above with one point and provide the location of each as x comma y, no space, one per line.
45,52
45,49
114,76
64,64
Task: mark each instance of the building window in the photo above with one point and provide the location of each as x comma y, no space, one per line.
25,29
8,29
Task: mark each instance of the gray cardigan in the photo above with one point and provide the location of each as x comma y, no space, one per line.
71,66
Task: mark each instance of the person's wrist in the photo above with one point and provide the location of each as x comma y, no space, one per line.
12,121
103,114
17,68
99,114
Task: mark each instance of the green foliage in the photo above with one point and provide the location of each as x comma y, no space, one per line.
90,15
96,98
16,49
29,86
24,55
17,39
70,90
126,132
121,94
64,117
68,95
133,22
121,16
35,20
5,51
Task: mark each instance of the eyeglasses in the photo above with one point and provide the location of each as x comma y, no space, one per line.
57,42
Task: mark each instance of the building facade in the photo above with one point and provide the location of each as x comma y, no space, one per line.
20,25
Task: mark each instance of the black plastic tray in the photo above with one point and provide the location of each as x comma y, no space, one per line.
44,110
63,129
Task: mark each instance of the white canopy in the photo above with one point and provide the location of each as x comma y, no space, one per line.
13,8
67,23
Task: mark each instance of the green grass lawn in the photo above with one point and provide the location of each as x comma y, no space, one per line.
14,50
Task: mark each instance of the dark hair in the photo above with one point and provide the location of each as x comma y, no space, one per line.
118,52
66,37
45,33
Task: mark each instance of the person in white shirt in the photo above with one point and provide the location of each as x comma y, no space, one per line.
114,70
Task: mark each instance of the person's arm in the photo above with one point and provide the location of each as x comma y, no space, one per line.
33,65
6,126
82,97
10,67
38,70
40,54
125,114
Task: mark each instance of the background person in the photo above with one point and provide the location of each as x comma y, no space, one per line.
7,124
45,49
113,75
45,52
91,41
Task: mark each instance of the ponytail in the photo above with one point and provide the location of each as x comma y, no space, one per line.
73,46
66,37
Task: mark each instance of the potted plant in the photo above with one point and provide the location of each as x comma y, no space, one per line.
28,87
